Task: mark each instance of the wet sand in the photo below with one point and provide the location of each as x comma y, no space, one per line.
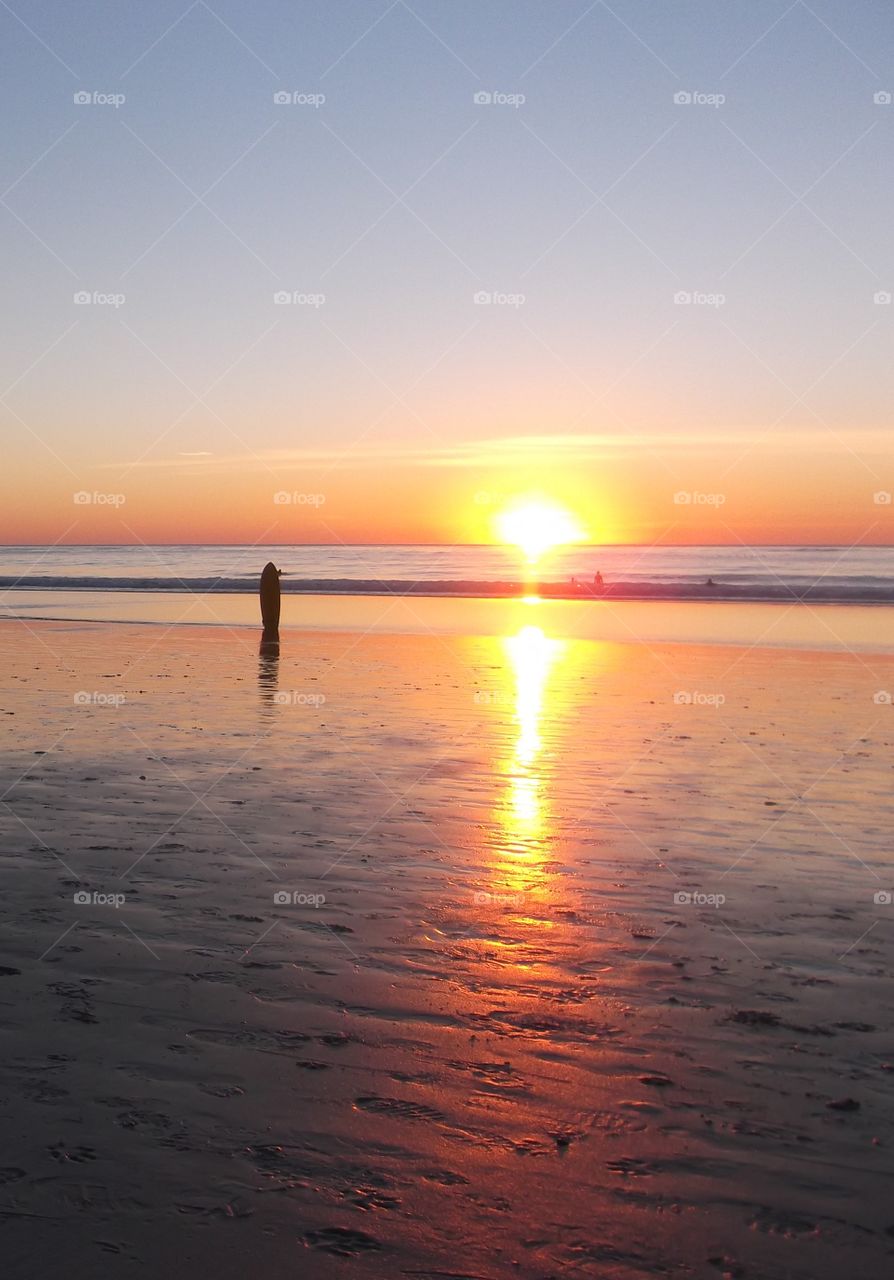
584,967
805,626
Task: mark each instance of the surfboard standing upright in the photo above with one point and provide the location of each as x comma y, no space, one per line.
270,600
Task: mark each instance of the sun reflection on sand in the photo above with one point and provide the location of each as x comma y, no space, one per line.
525,813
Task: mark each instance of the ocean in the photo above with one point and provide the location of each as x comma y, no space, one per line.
850,574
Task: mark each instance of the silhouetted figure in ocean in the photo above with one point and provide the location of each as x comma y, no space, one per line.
598,582
270,599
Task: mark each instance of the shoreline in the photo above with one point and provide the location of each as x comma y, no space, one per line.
764,624
470,590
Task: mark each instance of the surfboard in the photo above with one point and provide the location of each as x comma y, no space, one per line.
270,601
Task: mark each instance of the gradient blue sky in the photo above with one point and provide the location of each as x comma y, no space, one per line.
388,397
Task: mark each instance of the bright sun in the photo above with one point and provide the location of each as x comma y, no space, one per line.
537,527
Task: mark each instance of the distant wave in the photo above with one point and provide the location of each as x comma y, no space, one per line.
851,590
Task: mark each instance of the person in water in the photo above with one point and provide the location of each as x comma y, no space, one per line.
599,582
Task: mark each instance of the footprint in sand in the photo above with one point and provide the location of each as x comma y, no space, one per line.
401,1108
631,1167
75,1155
340,1241
268,1041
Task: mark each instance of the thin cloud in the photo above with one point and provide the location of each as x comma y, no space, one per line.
540,450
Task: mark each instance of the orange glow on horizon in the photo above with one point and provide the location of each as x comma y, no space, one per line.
831,503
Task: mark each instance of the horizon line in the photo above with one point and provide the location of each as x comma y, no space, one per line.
814,546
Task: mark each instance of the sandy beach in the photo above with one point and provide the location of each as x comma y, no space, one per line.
444,955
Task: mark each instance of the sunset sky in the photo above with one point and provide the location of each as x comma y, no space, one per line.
684,296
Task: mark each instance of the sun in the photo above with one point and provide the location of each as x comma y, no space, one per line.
537,527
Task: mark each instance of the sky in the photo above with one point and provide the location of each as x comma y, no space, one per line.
633,258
